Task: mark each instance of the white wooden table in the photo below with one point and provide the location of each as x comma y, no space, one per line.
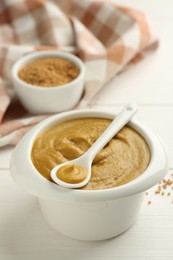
25,235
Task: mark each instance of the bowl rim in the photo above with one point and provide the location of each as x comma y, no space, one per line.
33,182
47,53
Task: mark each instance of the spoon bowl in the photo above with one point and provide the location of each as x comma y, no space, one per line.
85,160
80,161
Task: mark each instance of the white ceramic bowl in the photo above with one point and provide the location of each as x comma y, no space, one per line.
38,100
88,214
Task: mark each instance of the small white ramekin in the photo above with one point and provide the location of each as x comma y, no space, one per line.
88,214
39,100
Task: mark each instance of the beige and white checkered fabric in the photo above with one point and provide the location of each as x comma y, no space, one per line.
105,36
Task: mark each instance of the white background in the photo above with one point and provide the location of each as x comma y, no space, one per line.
25,235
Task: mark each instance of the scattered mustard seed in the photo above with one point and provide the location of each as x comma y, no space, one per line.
162,186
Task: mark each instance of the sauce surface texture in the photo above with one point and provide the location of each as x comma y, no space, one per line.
122,160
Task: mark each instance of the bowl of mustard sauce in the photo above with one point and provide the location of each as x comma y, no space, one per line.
132,162
48,81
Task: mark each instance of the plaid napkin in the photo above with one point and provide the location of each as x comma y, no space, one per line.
107,37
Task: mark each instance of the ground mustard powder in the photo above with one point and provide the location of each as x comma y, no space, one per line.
49,72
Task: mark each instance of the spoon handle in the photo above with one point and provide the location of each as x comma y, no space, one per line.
121,120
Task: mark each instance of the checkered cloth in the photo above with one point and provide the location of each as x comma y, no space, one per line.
107,37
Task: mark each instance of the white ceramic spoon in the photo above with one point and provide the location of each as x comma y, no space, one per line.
86,159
